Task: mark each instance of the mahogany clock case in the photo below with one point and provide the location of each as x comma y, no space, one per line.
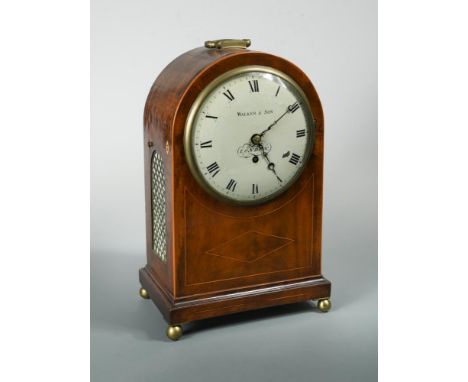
222,258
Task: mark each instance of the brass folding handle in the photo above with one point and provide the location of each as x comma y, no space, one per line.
228,43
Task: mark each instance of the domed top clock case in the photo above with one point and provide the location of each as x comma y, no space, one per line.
233,179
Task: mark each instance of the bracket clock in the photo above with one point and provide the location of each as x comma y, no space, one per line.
233,147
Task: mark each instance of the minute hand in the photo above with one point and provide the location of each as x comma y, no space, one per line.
291,109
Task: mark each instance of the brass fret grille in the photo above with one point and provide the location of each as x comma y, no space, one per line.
158,206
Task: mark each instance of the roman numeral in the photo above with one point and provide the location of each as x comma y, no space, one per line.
300,133
254,86
206,144
231,185
292,108
210,116
294,159
229,95
279,87
254,188
213,169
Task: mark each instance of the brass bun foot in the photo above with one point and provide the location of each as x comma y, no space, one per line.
324,304
144,293
174,332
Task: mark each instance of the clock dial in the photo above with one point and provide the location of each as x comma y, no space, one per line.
249,135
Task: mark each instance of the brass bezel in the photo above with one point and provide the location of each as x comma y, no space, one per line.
188,133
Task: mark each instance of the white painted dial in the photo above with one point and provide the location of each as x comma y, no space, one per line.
250,136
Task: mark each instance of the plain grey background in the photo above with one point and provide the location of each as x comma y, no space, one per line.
335,43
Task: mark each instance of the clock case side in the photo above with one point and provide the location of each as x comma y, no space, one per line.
158,277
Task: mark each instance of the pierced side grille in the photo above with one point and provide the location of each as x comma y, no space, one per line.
158,205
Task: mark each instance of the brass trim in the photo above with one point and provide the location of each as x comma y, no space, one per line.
144,293
324,304
188,133
227,43
174,332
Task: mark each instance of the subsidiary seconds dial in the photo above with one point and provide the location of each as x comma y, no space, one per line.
249,135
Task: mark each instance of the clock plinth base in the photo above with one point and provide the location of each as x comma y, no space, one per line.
190,308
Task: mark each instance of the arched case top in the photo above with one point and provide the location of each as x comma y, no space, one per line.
176,89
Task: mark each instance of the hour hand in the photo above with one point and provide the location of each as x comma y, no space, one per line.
271,165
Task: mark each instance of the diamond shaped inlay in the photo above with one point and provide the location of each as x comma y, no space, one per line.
249,246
